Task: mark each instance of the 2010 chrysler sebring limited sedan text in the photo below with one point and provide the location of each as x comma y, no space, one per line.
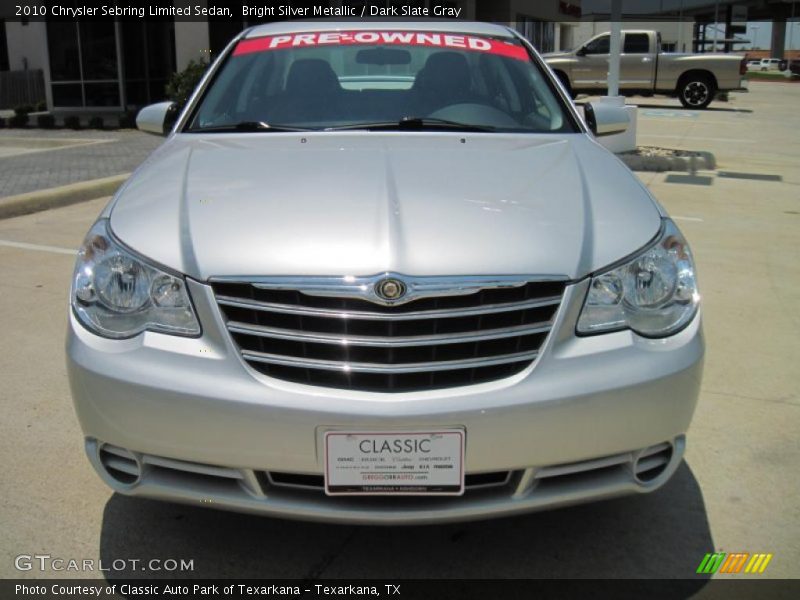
383,273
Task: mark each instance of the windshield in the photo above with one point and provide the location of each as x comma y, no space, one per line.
332,80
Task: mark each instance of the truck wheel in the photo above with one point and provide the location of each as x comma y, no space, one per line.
696,91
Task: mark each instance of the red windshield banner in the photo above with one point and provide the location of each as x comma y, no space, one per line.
388,38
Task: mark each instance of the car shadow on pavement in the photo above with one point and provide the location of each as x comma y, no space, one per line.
659,535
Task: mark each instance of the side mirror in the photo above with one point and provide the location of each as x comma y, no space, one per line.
605,119
157,118
581,51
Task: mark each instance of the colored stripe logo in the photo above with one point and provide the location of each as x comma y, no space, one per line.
734,563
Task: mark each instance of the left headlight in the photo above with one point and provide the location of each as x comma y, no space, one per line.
654,293
116,294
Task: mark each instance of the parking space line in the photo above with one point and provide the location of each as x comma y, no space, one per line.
37,247
695,219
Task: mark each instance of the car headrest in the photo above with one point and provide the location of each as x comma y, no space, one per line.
312,76
446,71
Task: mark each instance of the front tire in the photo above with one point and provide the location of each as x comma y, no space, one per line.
696,91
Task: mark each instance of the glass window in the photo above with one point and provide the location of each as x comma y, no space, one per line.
316,81
83,63
136,93
133,42
98,50
542,34
148,59
597,45
637,43
67,94
62,42
156,88
160,49
3,46
102,94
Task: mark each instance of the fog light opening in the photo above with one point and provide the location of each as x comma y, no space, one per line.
652,462
120,465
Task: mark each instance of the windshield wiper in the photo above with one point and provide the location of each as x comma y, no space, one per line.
414,124
245,127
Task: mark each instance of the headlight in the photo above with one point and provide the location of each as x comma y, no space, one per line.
117,295
654,294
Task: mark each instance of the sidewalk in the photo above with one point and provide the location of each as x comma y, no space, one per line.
27,164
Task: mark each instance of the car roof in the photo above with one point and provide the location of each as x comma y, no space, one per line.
443,26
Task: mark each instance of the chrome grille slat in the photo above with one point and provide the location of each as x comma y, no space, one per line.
378,316
387,341
438,337
425,367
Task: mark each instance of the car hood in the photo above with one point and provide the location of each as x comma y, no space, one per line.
361,203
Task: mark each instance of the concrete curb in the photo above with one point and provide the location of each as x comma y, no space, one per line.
31,202
705,161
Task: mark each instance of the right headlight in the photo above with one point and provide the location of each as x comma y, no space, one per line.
654,294
117,294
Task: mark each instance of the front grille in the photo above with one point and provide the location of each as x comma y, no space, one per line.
353,343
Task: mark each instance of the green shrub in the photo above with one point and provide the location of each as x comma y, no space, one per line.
46,121
41,106
72,122
23,109
127,120
182,83
96,123
18,120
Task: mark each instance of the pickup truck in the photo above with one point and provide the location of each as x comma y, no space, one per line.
696,79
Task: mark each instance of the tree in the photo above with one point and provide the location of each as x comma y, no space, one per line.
182,83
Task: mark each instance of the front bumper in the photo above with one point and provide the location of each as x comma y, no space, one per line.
199,426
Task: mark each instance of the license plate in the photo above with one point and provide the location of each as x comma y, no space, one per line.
418,463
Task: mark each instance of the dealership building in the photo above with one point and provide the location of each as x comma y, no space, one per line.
109,66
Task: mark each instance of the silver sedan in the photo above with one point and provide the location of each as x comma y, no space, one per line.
383,273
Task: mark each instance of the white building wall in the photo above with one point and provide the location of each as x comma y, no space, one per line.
27,45
191,42
567,36
27,49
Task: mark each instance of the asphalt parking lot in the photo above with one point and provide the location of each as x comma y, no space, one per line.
736,491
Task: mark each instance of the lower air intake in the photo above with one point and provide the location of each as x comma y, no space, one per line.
120,464
652,462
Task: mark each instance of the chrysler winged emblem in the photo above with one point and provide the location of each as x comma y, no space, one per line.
390,289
